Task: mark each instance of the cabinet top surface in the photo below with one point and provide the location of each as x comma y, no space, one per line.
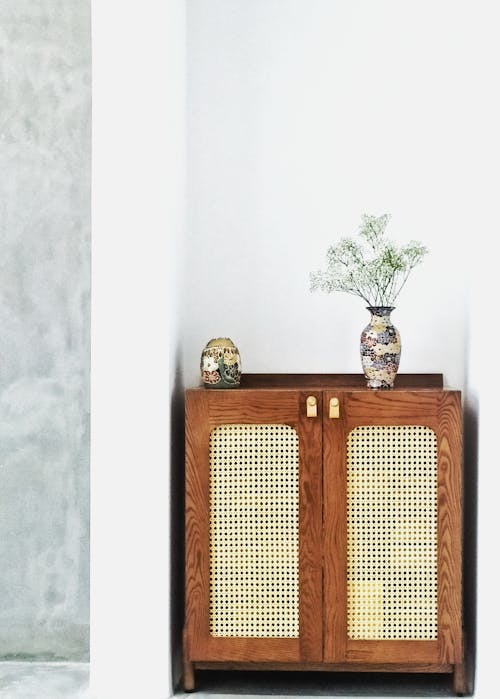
324,381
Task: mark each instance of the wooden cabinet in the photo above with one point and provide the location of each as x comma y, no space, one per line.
323,526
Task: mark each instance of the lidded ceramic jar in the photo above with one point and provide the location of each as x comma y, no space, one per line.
220,364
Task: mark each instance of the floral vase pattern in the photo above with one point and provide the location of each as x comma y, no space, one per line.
380,348
220,364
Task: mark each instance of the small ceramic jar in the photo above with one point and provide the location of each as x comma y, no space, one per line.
220,364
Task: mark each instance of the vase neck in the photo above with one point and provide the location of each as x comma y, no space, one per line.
381,311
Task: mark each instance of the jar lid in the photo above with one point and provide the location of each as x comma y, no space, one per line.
221,342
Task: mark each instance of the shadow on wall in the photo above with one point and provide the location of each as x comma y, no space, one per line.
177,522
470,486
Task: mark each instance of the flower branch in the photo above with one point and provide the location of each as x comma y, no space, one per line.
373,269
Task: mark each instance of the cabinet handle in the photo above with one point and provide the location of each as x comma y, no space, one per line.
312,406
334,407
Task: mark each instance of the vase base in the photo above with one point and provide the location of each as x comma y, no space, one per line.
377,384
222,384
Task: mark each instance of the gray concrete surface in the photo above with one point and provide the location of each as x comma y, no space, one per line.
44,680
44,328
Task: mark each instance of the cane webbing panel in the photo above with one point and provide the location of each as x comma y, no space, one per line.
392,533
254,531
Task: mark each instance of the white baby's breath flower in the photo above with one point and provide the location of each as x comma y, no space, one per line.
374,269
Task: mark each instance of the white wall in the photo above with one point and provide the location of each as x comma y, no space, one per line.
302,116
483,383
138,214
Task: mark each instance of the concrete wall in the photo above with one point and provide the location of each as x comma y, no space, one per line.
44,328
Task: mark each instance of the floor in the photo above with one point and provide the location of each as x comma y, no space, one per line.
20,680
212,685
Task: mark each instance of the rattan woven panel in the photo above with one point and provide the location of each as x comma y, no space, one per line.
254,531
392,533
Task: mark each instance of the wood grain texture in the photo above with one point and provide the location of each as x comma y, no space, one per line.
197,523
326,381
310,531
323,643
335,530
393,651
460,680
188,678
329,667
253,406
391,407
439,410
205,410
450,528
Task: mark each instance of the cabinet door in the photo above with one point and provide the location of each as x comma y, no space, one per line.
392,494
253,526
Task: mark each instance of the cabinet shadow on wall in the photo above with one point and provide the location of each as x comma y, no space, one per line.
470,489
177,453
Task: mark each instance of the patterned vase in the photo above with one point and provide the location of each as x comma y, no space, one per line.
380,348
220,364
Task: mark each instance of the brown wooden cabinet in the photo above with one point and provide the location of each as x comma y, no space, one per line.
323,526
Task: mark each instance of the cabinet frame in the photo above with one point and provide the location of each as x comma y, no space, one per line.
440,411
323,643
206,410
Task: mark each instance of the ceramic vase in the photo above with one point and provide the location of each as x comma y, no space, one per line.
220,364
380,348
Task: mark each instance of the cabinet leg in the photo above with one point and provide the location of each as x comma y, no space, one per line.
188,676
188,666
460,680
